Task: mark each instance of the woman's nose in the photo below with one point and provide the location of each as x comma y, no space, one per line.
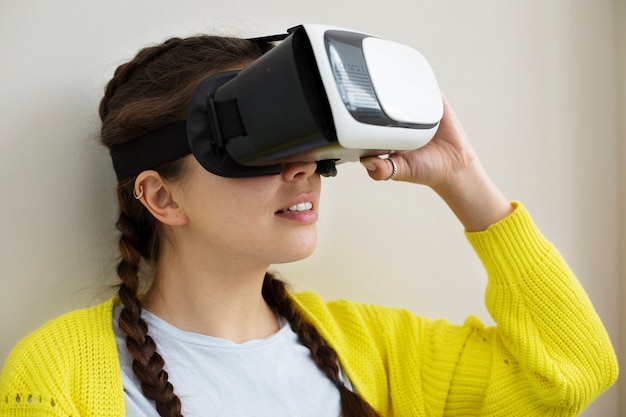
294,170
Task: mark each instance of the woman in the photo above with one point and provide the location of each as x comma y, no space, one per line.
216,334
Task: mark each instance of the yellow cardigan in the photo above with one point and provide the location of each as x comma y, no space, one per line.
549,354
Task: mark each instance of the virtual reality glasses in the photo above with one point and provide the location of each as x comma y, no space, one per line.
323,94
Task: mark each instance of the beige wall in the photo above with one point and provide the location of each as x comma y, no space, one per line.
534,83
620,19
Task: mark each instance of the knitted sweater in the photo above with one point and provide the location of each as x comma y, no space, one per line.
548,355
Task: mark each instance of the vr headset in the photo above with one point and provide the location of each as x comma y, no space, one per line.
323,94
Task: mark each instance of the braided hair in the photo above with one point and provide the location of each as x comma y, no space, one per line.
149,92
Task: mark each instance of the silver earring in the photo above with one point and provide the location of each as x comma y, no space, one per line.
138,197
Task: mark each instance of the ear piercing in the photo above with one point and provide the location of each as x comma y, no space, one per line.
138,197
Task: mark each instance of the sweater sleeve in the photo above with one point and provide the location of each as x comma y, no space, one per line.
549,353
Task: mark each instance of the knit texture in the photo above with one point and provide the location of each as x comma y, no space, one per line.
67,368
549,354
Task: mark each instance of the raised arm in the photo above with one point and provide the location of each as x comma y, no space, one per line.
549,353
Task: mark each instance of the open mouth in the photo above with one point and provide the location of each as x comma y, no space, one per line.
297,207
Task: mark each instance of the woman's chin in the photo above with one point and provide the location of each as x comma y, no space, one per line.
301,250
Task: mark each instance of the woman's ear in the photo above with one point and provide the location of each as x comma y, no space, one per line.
157,197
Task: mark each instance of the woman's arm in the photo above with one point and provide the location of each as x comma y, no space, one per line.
549,353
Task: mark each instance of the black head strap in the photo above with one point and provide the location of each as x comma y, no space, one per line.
208,126
150,150
263,40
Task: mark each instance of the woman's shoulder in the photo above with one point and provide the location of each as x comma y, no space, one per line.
85,332
60,365
74,326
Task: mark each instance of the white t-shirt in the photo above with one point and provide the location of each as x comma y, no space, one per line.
214,377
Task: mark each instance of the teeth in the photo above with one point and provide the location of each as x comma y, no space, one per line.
301,206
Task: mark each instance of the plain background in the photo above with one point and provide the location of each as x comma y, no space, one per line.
538,85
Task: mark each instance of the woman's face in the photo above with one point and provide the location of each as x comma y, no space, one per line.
266,220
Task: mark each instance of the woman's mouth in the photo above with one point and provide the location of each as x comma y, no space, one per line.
298,207
300,212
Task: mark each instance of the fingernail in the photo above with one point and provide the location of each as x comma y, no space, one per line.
369,165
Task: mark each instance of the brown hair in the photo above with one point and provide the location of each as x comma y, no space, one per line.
149,92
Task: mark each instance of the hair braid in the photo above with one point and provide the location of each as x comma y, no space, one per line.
147,362
324,356
137,241
147,93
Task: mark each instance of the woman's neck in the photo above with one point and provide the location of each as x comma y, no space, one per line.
224,302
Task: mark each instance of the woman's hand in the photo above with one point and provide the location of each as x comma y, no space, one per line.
449,165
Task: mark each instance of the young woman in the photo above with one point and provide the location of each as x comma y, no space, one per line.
216,334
